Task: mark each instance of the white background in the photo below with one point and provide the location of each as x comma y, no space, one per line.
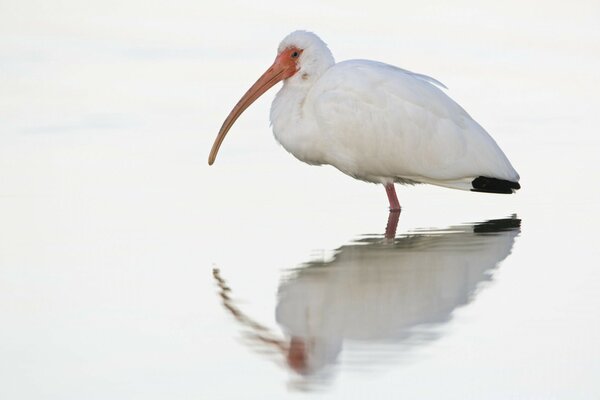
111,220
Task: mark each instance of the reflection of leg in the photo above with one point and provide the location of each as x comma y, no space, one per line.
391,194
392,224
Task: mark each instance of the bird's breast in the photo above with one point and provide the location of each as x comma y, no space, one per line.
295,128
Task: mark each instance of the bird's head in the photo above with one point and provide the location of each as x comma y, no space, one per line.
314,57
301,58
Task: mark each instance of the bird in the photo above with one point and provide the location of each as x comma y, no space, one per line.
374,122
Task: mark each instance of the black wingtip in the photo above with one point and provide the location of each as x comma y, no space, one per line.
494,185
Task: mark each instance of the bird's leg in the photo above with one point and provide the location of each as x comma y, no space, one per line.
392,224
391,194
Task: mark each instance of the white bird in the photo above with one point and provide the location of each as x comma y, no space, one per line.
375,122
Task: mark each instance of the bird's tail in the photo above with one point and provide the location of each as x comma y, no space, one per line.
494,185
478,184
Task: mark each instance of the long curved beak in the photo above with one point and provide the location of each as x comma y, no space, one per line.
277,72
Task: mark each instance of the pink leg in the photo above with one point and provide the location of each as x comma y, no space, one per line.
392,224
391,194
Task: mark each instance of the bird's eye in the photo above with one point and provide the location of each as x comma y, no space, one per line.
295,54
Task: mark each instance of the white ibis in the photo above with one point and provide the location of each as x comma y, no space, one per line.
375,122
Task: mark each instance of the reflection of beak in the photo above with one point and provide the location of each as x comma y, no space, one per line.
277,72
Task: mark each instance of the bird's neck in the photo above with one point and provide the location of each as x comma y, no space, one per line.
292,126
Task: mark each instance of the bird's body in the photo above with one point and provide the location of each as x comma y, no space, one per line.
405,130
375,122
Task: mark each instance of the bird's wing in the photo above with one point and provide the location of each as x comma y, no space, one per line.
382,121
423,77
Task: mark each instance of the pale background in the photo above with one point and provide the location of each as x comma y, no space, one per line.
111,220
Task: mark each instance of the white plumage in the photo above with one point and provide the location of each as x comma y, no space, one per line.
375,122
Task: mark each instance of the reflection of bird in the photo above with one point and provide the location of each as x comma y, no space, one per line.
374,122
374,291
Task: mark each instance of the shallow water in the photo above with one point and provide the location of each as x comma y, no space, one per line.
129,268
380,296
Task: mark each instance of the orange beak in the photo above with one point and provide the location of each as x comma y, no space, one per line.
283,67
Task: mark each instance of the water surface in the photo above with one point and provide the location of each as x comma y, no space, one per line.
112,223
